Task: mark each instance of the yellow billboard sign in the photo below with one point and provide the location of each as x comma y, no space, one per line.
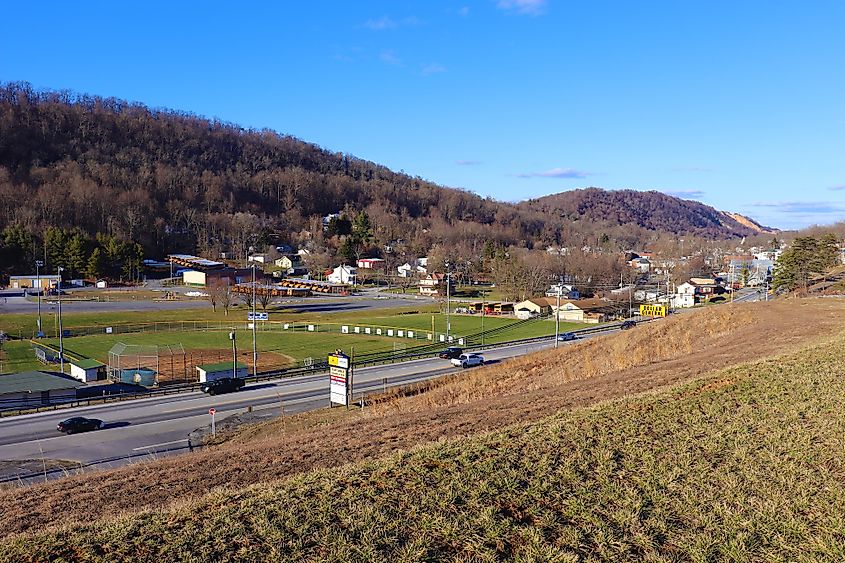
653,310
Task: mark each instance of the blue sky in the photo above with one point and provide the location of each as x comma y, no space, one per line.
736,104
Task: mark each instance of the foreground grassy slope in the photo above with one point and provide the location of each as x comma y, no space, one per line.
743,464
535,386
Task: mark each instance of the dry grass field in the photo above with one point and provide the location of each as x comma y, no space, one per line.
543,457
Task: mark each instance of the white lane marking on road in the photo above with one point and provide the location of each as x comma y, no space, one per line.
162,444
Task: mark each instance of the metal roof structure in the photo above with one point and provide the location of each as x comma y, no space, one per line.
191,261
35,382
87,363
221,366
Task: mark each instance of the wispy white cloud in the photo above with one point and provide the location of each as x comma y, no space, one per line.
390,58
467,162
386,22
556,173
694,169
381,23
685,194
432,68
526,7
802,207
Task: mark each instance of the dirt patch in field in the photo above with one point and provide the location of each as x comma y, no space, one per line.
535,386
176,369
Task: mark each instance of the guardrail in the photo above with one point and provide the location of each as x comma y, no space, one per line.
368,360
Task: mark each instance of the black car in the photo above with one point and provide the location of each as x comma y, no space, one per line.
628,325
450,353
79,424
223,385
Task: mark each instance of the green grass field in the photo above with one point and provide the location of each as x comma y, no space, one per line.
298,345
25,325
744,465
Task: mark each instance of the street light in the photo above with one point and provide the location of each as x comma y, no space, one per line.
61,331
232,336
38,264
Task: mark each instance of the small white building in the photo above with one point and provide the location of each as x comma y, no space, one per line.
211,372
343,274
87,370
101,284
258,258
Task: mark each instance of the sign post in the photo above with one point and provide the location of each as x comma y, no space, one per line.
339,378
211,411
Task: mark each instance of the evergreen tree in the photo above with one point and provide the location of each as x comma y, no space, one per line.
75,255
97,264
807,257
55,240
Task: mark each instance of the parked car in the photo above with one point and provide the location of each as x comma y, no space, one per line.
468,360
450,353
628,324
79,424
567,336
223,385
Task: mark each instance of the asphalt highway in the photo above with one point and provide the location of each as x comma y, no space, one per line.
149,428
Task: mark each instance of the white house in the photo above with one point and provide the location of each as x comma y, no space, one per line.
419,267
684,296
566,291
259,258
641,264
434,285
343,274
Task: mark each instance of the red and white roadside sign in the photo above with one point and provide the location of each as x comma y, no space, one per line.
211,411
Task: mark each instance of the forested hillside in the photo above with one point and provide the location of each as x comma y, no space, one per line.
80,173
653,211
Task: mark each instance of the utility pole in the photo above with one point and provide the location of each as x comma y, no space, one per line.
732,282
61,332
254,347
232,336
482,321
557,309
38,264
448,323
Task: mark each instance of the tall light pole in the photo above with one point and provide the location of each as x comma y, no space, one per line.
38,264
232,336
254,348
61,332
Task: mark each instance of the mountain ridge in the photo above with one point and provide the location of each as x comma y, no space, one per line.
651,210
